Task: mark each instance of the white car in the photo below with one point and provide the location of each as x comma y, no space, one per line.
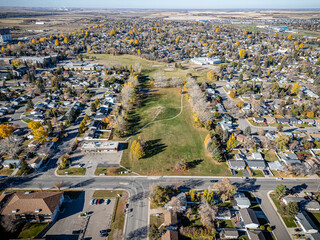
279,178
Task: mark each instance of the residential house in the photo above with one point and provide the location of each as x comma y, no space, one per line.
276,165
258,119
283,120
256,164
257,156
226,126
170,218
11,162
248,218
256,235
171,205
99,146
170,235
237,164
241,201
32,206
290,158
306,222
223,213
229,233
312,206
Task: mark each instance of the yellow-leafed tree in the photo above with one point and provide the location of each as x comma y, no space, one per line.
34,125
231,142
40,135
242,53
56,42
211,75
6,130
295,88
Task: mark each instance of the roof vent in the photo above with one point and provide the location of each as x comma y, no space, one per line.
27,192
37,210
15,210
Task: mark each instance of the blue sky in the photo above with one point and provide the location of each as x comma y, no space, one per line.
177,4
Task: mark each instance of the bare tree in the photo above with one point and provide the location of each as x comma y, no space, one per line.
207,214
11,146
160,80
248,142
225,188
261,132
59,185
127,95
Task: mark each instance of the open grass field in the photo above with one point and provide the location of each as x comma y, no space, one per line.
6,171
170,141
151,67
107,193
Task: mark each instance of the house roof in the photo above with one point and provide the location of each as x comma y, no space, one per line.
276,165
312,205
170,217
27,203
230,232
170,235
305,221
256,235
237,164
256,163
248,216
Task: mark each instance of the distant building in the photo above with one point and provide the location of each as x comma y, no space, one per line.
100,146
205,61
306,223
5,35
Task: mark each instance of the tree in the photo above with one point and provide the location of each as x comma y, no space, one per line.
211,75
11,146
180,166
112,32
242,53
247,131
282,141
72,115
34,125
225,189
292,208
97,103
56,42
280,190
280,127
232,94
93,107
207,215
30,104
49,124
40,135
231,142
240,104
290,37
295,88
66,40
59,185
24,168
6,130
159,195
217,156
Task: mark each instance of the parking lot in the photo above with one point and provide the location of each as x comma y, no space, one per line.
70,225
93,160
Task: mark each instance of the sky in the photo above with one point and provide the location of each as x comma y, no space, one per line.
167,4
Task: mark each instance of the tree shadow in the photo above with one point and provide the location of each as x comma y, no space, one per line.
194,163
248,185
153,147
139,233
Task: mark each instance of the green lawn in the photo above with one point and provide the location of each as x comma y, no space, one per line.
170,141
72,171
99,171
6,171
289,221
270,156
156,220
151,67
106,193
226,223
257,173
315,216
31,230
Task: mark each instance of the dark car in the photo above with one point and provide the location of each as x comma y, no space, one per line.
107,201
103,233
95,201
76,232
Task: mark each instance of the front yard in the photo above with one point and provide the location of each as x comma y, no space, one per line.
72,171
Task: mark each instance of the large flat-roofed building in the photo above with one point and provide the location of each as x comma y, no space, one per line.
205,61
100,146
5,35
31,206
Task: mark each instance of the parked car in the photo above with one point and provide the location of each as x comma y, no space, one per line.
81,165
103,233
92,202
101,201
266,172
279,178
95,201
107,201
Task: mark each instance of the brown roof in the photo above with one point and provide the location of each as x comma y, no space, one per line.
28,203
170,218
170,235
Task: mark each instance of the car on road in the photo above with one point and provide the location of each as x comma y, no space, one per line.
107,201
266,172
103,233
301,127
244,177
279,178
81,165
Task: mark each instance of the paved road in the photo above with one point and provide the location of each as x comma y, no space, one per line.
139,189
